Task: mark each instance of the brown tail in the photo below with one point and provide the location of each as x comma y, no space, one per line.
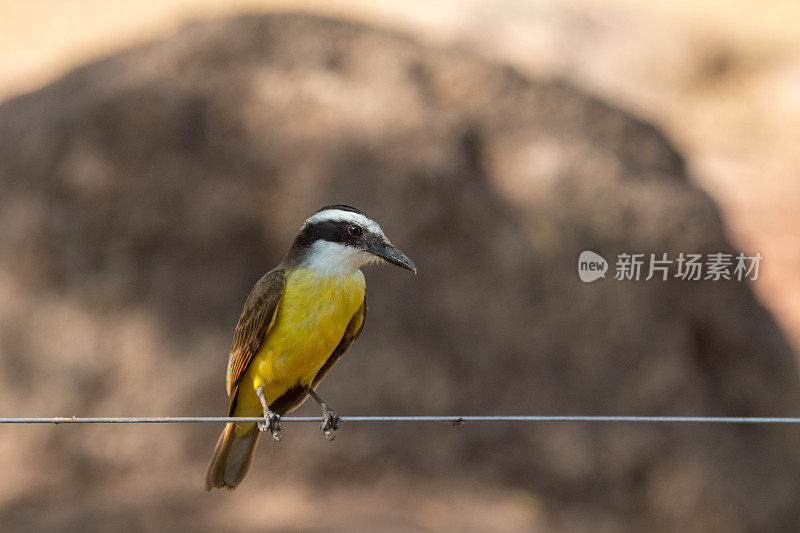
232,458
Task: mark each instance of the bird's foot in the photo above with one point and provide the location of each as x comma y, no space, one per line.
330,423
271,423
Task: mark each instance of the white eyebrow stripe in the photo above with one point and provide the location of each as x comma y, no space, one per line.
331,215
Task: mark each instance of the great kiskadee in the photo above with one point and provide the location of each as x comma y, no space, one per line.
296,323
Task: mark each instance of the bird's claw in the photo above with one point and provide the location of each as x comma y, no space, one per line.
271,423
330,423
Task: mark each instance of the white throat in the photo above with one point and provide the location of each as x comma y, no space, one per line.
336,259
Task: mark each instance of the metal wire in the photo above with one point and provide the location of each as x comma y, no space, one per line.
453,420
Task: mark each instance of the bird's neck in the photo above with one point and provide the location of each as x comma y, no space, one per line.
334,259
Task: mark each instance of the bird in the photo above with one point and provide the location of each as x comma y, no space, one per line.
296,323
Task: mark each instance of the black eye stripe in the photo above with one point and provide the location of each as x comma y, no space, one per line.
329,230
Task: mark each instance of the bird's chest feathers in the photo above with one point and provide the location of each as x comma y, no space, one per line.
312,316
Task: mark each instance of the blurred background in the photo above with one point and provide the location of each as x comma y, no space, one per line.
157,158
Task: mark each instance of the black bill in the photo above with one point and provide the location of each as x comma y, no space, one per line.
386,251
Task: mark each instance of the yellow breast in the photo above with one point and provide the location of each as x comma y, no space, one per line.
312,316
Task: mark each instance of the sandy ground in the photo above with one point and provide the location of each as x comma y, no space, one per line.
721,78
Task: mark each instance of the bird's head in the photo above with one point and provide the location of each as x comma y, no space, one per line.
339,239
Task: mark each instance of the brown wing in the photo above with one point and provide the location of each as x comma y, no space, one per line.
295,396
258,315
